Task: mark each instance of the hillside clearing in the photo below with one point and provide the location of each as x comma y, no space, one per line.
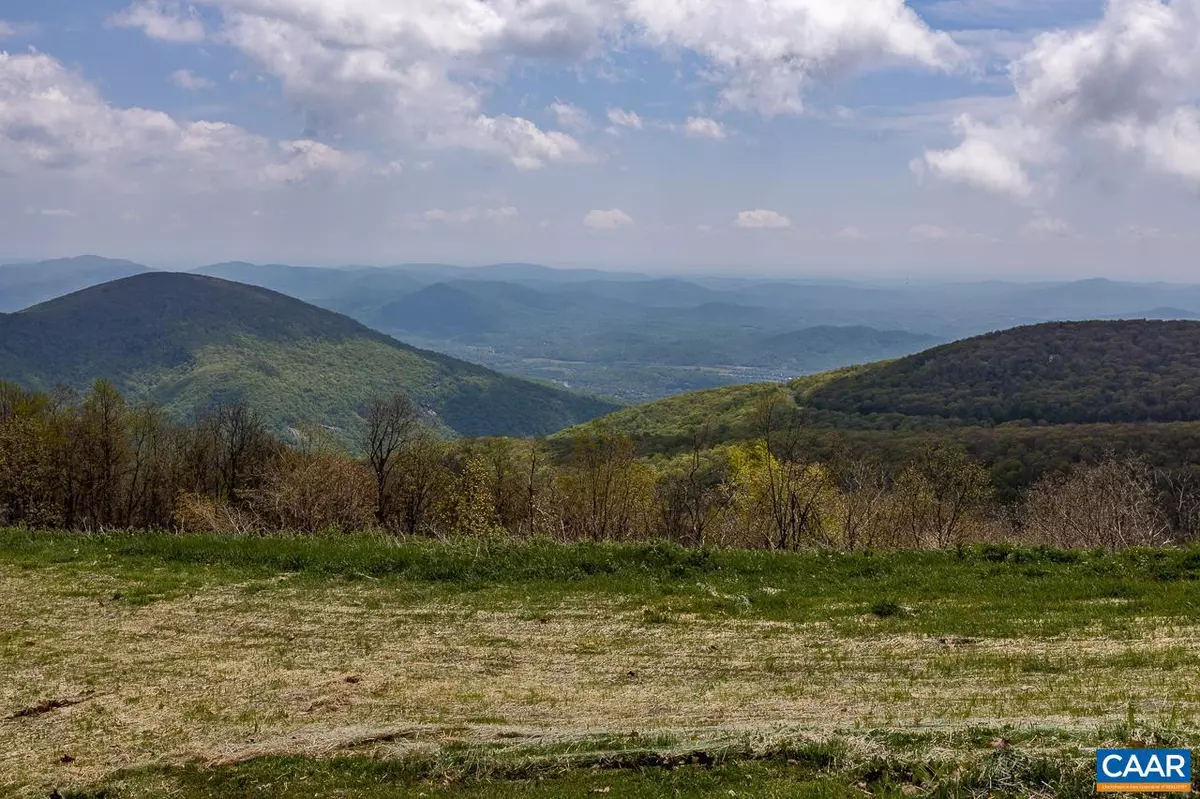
174,657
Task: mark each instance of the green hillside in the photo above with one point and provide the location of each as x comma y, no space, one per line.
186,341
1024,401
1069,372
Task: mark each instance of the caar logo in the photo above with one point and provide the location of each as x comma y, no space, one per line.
1128,770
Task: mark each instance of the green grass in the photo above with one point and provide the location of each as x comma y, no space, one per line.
362,666
995,762
983,591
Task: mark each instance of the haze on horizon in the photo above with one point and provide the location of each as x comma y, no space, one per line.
963,139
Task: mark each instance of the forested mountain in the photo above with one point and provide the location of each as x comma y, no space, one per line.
1073,372
22,285
186,341
1023,400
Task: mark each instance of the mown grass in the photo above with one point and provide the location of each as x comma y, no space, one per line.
979,591
365,666
977,762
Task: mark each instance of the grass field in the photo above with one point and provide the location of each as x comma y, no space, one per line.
148,666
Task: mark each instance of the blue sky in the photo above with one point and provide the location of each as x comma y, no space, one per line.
958,138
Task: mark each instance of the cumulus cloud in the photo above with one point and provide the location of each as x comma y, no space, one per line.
850,233
1126,81
419,72
990,157
761,219
607,220
571,117
519,140
52,121
703,128
186,79
414,73
158,19
767,52
625,119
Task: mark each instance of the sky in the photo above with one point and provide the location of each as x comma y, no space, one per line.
1023,139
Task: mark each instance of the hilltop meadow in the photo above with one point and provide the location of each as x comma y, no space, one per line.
150,665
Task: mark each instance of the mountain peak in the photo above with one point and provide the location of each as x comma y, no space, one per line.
185,340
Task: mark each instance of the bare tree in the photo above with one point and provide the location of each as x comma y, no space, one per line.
794,487
1180,489
242,441
939,493
102,443
604,488
391,423
863,502
1112,504
693,495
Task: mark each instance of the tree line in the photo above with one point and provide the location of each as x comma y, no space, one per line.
95,462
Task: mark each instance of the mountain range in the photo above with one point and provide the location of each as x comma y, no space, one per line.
640,337
186,341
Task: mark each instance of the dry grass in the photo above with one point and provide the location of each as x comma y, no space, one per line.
279,666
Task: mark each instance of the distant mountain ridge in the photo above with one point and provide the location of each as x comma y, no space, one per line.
1132,372
185,341
26,284
641,337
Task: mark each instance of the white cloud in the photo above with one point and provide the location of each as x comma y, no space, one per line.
1169,144
767,52
53,122
13,30
61,213
1046,227
465,216
414,73
163,20
517,139
571,117
991,157
186,79
704,228
850,233
418,72
607,220
1126,81
392,169
703,128
1141,233
930,233
625,119
761,219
